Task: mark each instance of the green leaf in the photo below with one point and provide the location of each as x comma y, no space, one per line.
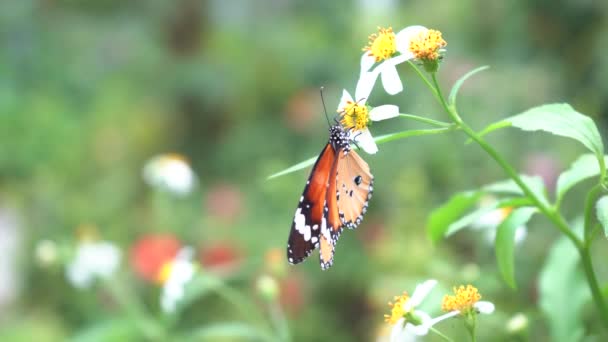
535,183
602,213
294,168
559,119
230,330
119,329
379,140
492,128
476,214
563,291
460,82
586,166
505,242
441,218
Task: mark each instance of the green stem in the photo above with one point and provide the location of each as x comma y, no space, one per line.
592,197
440,334
550,212
426,120
280,322
596,292
425,80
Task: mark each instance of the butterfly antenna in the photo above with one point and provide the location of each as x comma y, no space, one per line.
324,108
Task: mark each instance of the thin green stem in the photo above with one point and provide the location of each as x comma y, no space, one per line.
424,79
596,292
280,322
440,334
590,200
426,120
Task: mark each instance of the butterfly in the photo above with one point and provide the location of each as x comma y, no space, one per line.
336,195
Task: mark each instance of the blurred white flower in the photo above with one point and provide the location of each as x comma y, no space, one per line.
92,261
174,276
488,222
170,172
356,115
11,235
390,49
517,323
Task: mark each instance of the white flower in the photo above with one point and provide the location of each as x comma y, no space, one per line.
390,49
170,172
93,260
406,306
175,276
355,115
489,222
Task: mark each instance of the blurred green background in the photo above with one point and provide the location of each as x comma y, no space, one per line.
91,90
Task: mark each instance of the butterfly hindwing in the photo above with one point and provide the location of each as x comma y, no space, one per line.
309,216
355,186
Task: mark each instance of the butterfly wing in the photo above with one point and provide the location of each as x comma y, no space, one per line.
355,186
307,221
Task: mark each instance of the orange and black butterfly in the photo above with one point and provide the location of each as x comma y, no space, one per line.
336,196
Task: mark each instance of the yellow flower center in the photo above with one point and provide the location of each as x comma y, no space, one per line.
165,272
505,212
397,309
463,300
382,45
427,44
354,116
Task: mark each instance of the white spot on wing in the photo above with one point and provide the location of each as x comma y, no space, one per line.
300,224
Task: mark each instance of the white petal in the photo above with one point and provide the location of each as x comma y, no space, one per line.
421,291
367,62
404,37
484,307
365,84
390,78
520,234
384,112
397,329
345,98
365,140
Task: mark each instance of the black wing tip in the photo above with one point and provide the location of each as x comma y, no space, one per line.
326,265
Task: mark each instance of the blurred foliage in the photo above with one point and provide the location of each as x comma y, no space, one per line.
90,90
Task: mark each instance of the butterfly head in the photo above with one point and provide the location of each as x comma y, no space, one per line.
338,138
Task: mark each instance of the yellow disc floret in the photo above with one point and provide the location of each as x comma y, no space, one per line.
397,309
427,44
165,272
382,45
354,116
463,300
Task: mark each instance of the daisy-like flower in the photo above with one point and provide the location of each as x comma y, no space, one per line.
93,260
466,301
174,276
388,49
170,172
407,321
356,116
489,222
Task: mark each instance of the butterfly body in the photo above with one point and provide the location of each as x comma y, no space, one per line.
336,195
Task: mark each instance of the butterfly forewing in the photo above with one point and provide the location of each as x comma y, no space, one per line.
355,186
307,221
332,225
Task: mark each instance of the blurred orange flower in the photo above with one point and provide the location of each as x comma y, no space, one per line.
151,252
221,257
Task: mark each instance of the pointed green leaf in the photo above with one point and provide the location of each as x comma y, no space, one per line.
602,213
563,291
227,330
586,166
535,183
559,119
505,242
441,218
476,214
460,82
379,140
